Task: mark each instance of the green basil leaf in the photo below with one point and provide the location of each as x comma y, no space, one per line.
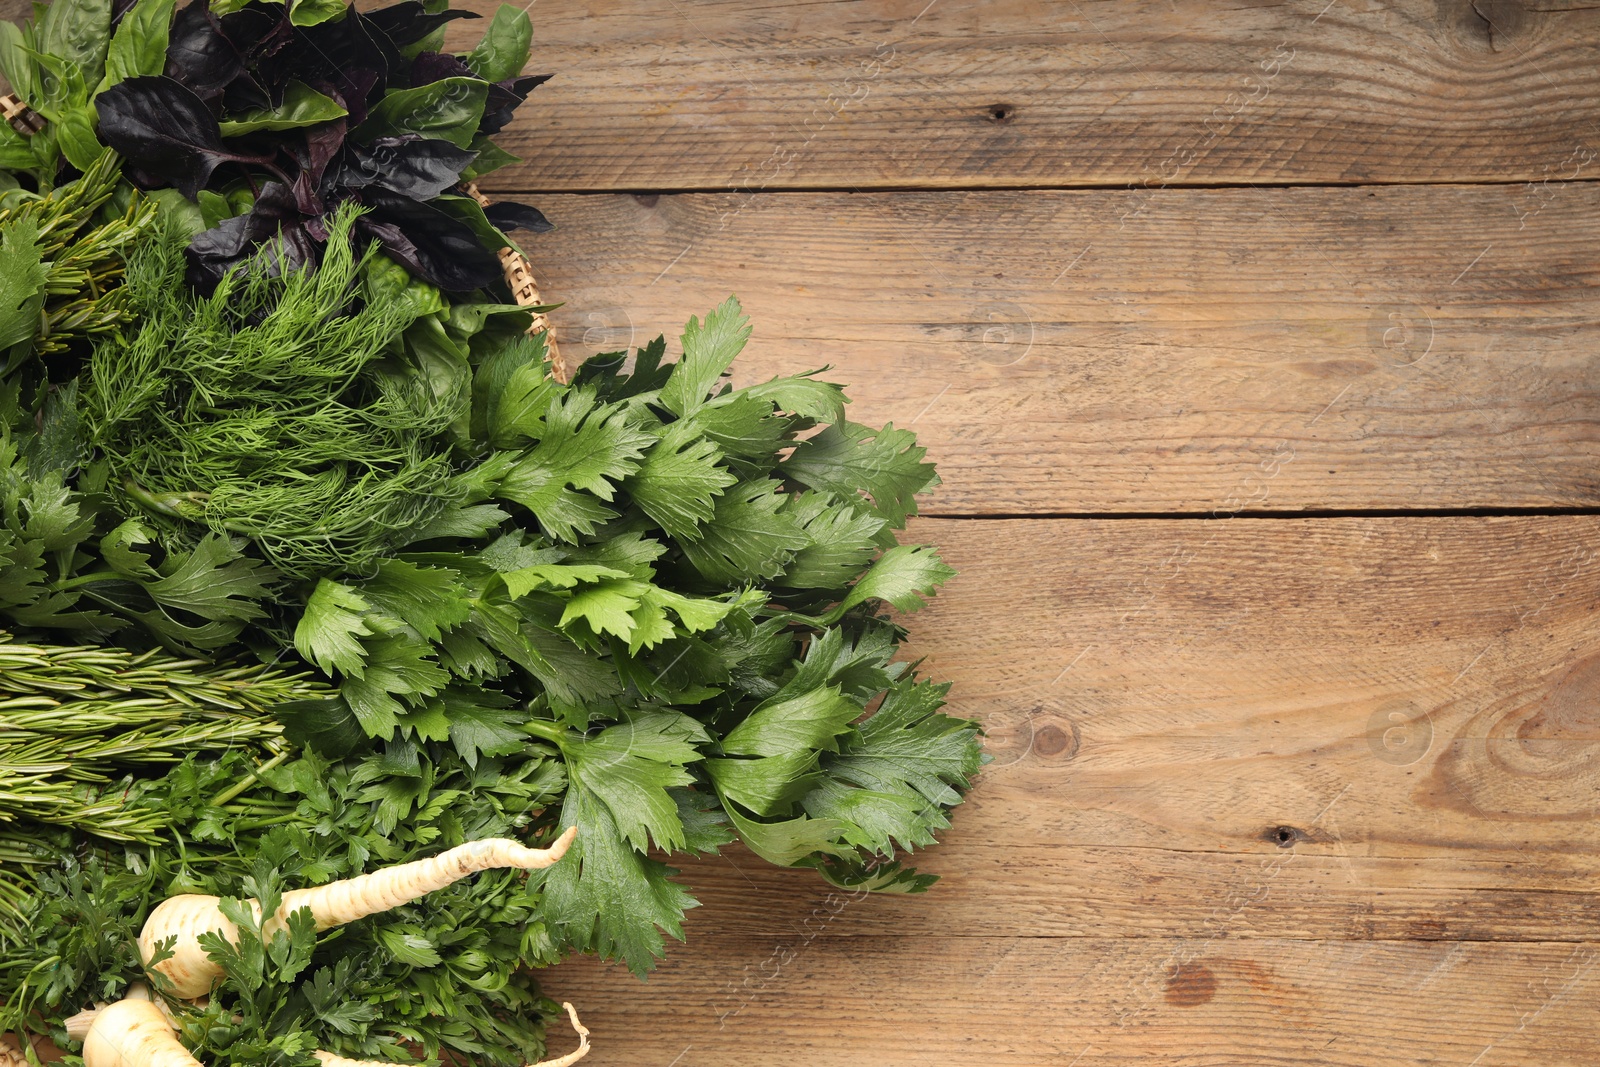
214,208
302,106
313,12
17,62
449,109
467,210
62,87
15,151
77,32
503,52
139,47
491,157
75,134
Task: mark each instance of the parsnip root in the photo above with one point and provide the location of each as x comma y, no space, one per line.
77,1026
583,1042
186,917
134,1033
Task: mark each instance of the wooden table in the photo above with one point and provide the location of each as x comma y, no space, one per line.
1257,347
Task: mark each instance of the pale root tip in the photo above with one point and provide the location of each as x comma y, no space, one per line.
581,1030
77,1026
562,843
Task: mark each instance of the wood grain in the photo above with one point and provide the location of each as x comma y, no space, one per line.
658,94
1092,1002
1219,350
1348,768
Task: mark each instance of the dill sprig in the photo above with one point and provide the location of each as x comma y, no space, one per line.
275,409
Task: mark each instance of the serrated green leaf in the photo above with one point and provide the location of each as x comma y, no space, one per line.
677,485
809,722
397,667
843,541
22,278
214,580
524,580
907,745
902,576
788,842
586,448
408,946
431,600
874,821
705,826
708,351
329,632
481,722
606,898
606,606
630,766
857,462
749,537
798,394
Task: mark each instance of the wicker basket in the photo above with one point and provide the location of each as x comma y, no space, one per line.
519,276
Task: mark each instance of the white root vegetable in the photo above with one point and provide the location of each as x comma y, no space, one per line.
77,1026
186,917
134,1033
138,1033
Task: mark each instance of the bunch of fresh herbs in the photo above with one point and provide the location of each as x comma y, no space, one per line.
646,603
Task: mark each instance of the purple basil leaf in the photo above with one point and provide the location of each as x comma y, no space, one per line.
260,32
507,216
199,55
418,167
347,59
410,22
436,66
165,132
319,147
432,245
272,236
504,98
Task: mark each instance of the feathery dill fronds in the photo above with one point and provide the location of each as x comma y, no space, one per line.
272,409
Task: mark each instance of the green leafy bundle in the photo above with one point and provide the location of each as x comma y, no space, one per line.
649,573
448,973
86,732
647,604
264,410
61,262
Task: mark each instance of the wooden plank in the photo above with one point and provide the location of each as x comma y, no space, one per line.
1315,791
1091,1002
654,95
997,889
1405,347
1402,688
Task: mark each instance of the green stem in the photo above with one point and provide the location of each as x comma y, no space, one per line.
552,732
85,579
239,787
